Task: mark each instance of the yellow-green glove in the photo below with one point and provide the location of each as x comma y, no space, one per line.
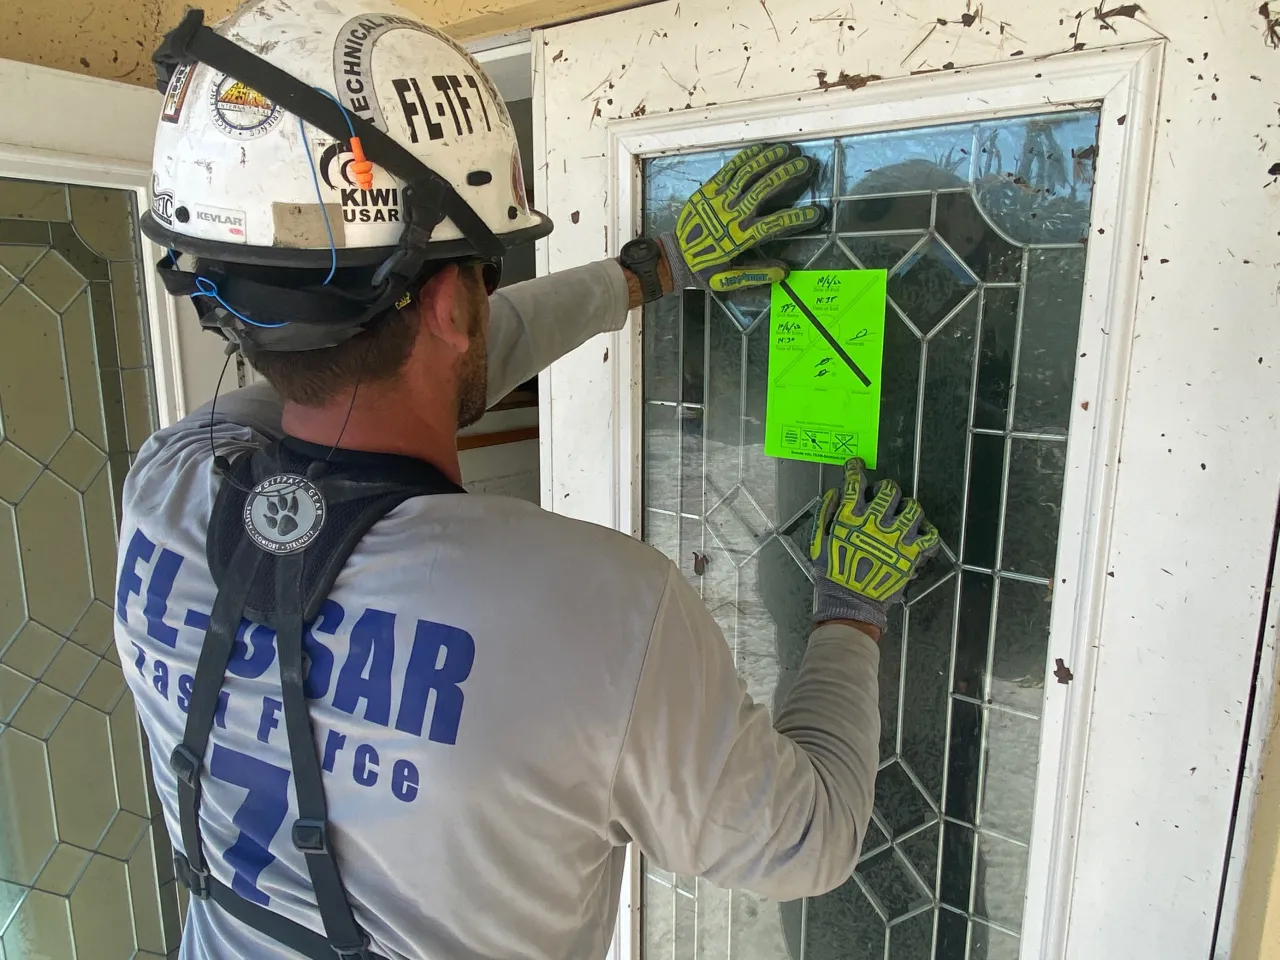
746,203
864,553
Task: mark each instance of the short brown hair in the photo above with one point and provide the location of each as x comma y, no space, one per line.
312,377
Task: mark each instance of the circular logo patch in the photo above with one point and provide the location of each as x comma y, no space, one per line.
284,513
240,111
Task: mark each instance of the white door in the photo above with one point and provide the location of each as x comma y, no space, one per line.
1078,382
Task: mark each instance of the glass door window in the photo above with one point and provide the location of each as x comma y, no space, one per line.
983,229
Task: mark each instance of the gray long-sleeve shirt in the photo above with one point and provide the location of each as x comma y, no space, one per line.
502,697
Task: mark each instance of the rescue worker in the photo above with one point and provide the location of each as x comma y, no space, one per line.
388,719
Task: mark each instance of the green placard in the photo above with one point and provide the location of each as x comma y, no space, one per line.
826,349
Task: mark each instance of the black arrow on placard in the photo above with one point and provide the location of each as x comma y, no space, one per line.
826,334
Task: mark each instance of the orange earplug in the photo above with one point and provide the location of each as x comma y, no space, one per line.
361,169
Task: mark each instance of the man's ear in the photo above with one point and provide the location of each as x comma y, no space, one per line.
437,301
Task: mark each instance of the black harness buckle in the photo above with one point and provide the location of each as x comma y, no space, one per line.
360,952
186,765
196,881
311,836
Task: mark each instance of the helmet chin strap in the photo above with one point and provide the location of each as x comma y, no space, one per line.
427,197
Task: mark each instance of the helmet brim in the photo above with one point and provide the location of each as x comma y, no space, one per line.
322,257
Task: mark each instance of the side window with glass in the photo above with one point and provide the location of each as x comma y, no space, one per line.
983,230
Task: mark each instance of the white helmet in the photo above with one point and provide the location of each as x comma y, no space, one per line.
239,180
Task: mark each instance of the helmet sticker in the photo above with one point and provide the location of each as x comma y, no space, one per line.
176,95
353,78
378,205
241,112
162,207
227,224
284,514
517,181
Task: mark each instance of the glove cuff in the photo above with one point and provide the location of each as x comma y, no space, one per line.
834,602
682,277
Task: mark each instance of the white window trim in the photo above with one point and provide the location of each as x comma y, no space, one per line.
1125,81
65,128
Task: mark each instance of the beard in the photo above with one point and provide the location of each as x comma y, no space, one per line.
473,373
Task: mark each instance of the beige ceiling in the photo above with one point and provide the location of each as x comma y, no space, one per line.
115,40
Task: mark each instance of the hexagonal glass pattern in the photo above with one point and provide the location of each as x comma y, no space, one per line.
982,229
82,870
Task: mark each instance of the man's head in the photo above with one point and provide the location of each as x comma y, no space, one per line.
431,352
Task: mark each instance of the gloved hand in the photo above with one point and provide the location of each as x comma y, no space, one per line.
747,202
865,554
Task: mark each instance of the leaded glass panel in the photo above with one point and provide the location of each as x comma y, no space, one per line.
983,229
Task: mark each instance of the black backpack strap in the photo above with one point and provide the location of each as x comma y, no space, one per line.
187,759
285,592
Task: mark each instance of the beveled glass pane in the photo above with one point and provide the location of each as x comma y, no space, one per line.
37,416
32,200
964,753
1001,881
662,531
948,378
1036,471
1009,790
104,220
921,851
893,885
78,461
662,349
991,257
662,457
957,865
973,634
82,776
138,406
988,943
898,401
911,938
694,305
126,750
890,678
929,285
843,925
774,621
1050,331
100,910
54,561
72,249
691,462
953,935
27,800
126,304
995,358
1021,644
880,253
63,869
979,344
54,281
982,513
900,802
17,472
723,419
907,212
40,928
41,711
1033,176
924,696
933,158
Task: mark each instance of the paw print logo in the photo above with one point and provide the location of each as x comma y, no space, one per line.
282,514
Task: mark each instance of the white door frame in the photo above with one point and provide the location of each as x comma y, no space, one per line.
65,128
1124,81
